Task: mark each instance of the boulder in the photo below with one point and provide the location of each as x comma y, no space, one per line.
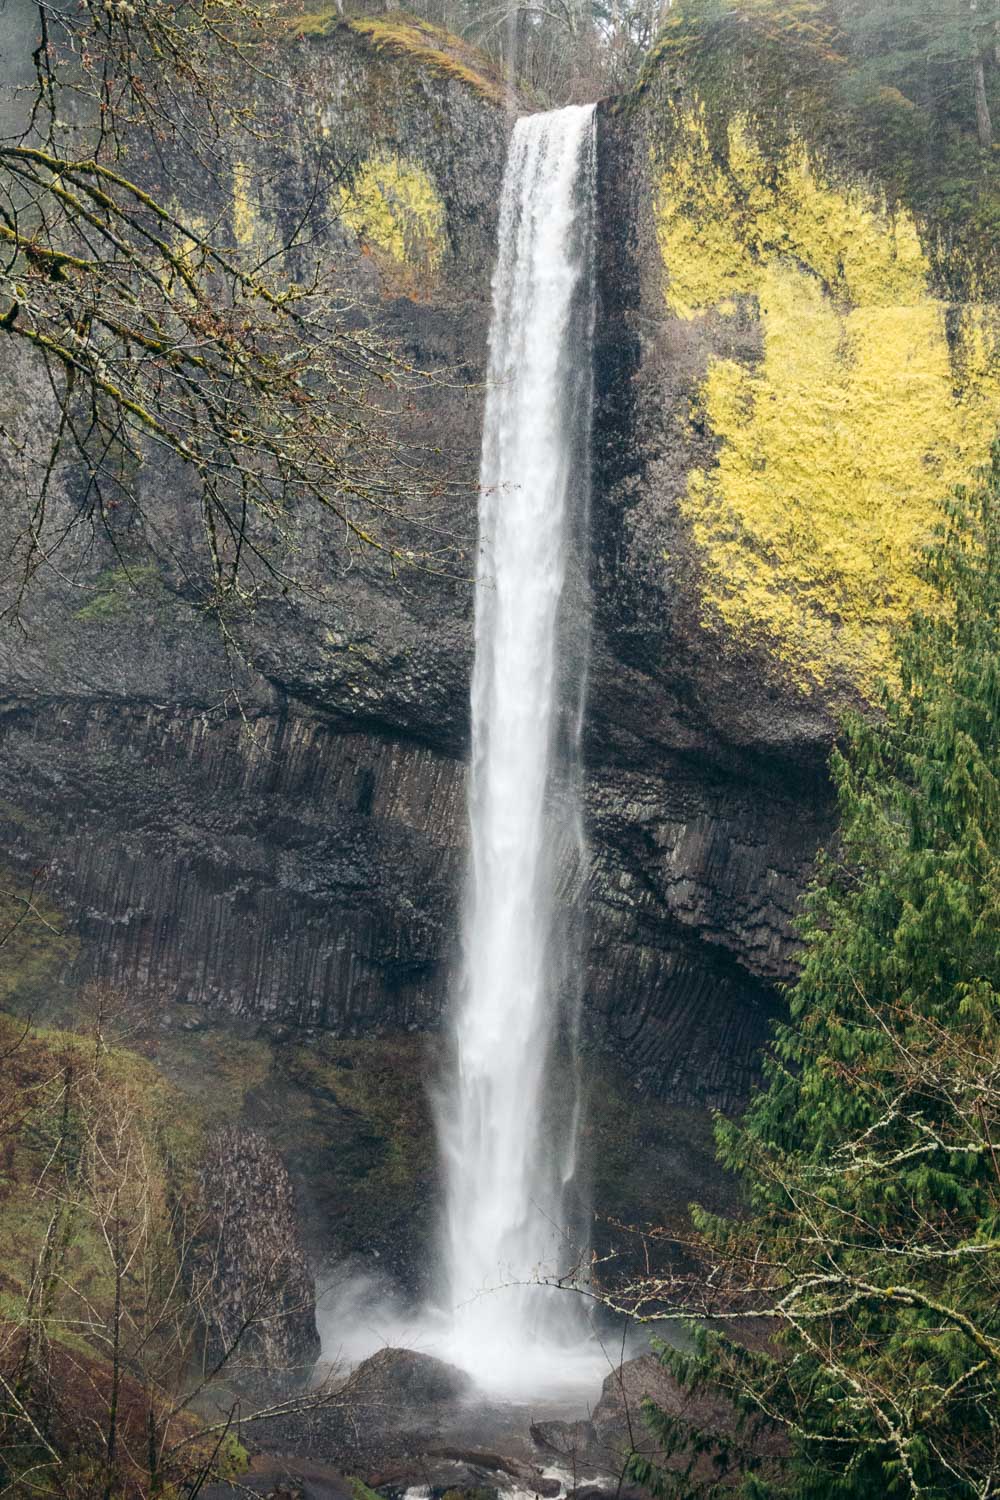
567,1439
621,1430
625,1389
402,1378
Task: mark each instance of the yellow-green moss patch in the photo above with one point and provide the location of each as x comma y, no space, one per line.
872,400
434,48
117,591
247,223
393,207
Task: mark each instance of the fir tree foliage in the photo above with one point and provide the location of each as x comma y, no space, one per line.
941,53
868,1261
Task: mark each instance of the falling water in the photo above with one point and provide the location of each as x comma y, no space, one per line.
508,1117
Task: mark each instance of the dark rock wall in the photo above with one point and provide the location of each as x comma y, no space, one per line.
277,840
275,869
260,1300
283,840
709,791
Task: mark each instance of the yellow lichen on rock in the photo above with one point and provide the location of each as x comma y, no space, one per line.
246,211
838,447
392,206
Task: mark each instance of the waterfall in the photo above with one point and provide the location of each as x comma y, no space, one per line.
508,1115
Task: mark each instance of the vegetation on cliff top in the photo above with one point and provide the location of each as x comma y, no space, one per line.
870,1250
433,48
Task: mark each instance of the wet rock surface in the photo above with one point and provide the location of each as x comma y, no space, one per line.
271,848
406,1381
479,1449
567,1439
286,1479
261,1304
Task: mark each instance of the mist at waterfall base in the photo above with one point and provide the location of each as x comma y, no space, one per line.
514,1218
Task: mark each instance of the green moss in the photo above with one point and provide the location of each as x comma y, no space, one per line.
378,1087
353,1119
49,1078
118,590
431,47
361,1491
37,949
434,48
649,1158
215,1069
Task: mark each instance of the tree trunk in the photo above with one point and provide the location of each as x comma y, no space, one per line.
984,122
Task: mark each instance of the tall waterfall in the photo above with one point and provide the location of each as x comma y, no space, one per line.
507,1119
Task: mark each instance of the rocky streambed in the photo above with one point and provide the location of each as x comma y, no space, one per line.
407,1426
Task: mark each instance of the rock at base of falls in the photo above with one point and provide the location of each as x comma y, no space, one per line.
403,1381
260,1309
567,1439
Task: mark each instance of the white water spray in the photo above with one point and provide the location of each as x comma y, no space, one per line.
507,1120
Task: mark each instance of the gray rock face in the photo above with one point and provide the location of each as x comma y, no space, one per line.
567,1439
261,1306
282,839
621,1431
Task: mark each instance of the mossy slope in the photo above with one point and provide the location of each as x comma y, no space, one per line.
58,1087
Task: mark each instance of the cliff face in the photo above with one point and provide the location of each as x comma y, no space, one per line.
796,362
269,848
810,360
282,841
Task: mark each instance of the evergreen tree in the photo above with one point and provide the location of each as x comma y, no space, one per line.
941,53
869,1256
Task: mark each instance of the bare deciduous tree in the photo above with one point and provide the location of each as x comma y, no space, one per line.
248,374
103,1386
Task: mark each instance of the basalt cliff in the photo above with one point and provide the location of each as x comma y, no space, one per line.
261,840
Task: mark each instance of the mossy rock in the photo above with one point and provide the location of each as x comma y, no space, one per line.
118,591
57,1086
431,47
39,944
